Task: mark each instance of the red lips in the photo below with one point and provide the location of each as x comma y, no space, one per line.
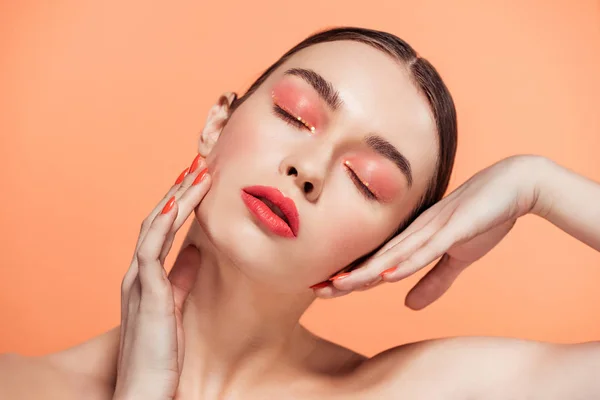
275,211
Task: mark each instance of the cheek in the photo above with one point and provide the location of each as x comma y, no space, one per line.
345,237
238,139
244,141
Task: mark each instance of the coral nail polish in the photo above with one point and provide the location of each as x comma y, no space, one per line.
340,276
168,206
195,163
388,271
200,176
182,176
320,285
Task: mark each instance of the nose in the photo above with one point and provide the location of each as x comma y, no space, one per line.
307,173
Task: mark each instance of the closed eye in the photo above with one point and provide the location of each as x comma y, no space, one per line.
289,118
369,195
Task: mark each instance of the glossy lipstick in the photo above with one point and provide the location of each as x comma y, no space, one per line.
275,211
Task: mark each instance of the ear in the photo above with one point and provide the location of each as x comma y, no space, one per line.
215,122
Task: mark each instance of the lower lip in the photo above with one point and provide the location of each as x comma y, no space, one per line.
267,217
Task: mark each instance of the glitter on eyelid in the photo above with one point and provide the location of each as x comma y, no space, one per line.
309,126
348,164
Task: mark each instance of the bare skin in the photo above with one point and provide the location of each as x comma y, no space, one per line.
454,368
478,368
242,306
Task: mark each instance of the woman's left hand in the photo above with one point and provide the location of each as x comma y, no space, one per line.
461,228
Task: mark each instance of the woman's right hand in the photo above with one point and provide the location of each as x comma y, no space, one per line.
151,342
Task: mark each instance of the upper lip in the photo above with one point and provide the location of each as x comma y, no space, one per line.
279,202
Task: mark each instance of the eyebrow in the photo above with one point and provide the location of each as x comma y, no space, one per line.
324,88
387,150
331,96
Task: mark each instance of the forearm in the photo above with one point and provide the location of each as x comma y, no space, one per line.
569,201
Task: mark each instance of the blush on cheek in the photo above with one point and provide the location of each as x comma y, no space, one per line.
380,175
241,136
352,240
300,102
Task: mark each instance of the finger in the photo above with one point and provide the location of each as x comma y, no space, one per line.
331,293
181,186
188,201
183,181
192,197
409,241
413,253
183,274
435,283
435,248
173,190
151,272
417,225
196,179
127,290
131,306
325,290
370,285
180,340
459,228
440,211
132,271
375,266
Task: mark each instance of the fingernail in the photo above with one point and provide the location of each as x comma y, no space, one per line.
388,271
182,176
195,163
200,176
320,285
168,206
340,276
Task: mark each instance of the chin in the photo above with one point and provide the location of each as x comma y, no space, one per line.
236,240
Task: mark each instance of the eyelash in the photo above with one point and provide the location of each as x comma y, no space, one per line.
361,186
288,118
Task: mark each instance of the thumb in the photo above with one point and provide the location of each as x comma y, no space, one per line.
435,283
183,274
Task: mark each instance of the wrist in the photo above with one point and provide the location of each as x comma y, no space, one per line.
530,174
545,174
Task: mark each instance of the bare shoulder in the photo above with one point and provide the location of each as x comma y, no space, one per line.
484,367
78,372
328,358
24,377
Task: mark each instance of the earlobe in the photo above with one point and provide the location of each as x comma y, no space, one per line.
215,122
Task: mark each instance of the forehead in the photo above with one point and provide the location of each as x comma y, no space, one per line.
379,96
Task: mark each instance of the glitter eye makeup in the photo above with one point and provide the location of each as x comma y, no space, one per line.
376,178
289,117
301,103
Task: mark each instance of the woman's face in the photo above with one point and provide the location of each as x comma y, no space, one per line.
344,164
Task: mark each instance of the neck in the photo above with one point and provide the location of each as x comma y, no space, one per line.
235,328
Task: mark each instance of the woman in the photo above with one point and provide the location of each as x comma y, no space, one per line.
305,187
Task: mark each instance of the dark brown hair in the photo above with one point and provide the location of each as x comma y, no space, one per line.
427,80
